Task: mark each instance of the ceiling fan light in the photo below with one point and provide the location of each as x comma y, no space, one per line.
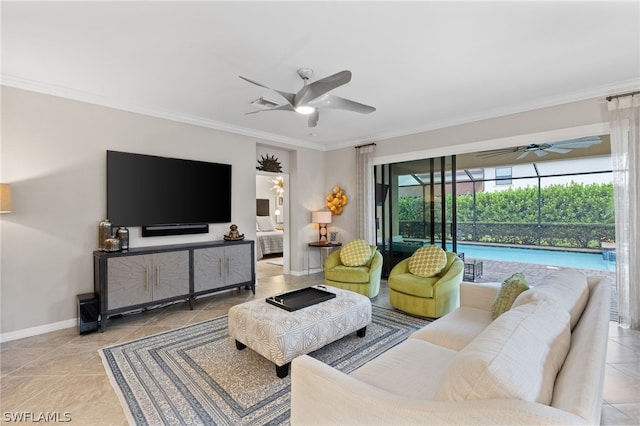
306,110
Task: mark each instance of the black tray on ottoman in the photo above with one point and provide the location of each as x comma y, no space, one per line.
298,299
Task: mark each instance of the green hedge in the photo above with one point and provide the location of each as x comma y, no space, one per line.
572,215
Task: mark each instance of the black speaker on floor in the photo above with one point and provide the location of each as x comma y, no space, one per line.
87,312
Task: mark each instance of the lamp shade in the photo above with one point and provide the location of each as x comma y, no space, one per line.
321,217
5,198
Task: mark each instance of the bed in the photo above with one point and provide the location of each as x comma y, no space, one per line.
269,239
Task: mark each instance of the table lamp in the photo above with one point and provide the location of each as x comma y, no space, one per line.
5,198
322,218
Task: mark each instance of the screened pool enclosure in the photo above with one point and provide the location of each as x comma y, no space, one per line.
563,203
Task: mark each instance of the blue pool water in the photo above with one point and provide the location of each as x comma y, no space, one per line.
538,256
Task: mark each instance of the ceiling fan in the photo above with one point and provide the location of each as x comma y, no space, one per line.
314,96
543,149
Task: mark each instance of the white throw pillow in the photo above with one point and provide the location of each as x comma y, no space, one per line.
265,223
516,357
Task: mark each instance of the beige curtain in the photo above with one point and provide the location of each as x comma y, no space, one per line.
365,202
624,127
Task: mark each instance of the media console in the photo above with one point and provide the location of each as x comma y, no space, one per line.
147,276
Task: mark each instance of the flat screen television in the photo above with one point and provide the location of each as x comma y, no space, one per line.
166,193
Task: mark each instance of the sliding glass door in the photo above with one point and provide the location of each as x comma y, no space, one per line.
415,205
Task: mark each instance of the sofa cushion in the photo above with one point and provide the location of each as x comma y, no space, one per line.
427,261
516,357
355,253
509,291
423,365
568,288
457,329
348,274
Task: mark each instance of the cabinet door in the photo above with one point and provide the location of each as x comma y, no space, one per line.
129,281
208,272
238,264
170,274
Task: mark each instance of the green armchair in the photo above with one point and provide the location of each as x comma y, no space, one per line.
360,279
430,297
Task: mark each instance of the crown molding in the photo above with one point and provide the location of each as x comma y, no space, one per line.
591,93
68,93
91,98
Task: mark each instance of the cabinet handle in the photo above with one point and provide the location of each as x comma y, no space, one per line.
157,276
220,267
228,265
146,278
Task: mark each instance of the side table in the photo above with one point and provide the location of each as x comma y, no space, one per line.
325,249
472,269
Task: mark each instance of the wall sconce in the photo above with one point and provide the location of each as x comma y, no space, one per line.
5,198
322,219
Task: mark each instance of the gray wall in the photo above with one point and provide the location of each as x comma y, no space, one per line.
53,155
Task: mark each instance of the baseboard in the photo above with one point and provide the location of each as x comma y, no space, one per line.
305,272
41,329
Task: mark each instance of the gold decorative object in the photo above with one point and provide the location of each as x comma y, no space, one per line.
269,164
104,232
112,244
234,234
337,200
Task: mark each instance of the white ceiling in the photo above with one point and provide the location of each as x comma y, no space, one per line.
423,65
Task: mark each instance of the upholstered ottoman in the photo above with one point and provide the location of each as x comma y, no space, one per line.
280,335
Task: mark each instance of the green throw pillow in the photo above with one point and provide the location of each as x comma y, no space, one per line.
510,289
427,261
355,253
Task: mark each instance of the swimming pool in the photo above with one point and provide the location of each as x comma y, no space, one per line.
537,256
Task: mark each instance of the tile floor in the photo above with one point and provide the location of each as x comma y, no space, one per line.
61,372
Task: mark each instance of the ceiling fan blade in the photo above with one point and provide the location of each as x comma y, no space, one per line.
320,87
541,153
313,118
283,107
575,144
558,150
496,152
335,102
578,143
288,96
524,154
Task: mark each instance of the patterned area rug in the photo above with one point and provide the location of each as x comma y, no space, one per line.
195,375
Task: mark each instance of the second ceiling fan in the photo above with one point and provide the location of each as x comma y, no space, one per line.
314,96
543,149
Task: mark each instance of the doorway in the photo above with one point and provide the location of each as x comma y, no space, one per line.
272,218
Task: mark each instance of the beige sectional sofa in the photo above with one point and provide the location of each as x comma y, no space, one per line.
541,362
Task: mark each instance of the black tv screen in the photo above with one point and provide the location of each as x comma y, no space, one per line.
146,190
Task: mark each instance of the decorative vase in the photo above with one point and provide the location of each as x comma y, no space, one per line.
112,244
104,232
123,236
